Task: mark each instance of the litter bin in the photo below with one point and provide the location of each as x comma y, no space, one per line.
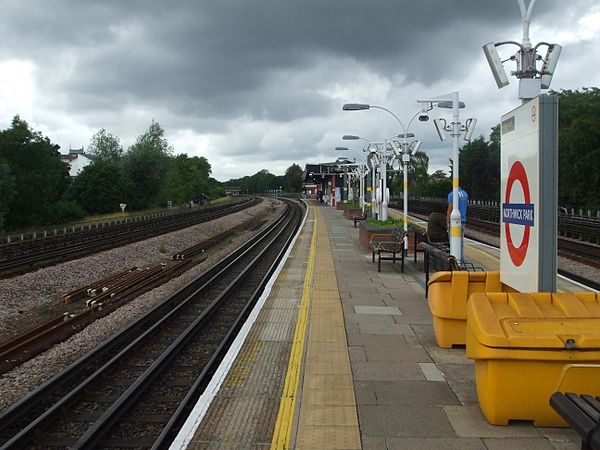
448,295
522,342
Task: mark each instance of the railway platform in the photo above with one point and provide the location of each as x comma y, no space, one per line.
339,356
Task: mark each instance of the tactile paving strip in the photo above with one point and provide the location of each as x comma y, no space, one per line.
243,413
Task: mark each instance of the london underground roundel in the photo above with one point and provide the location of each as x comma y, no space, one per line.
521,214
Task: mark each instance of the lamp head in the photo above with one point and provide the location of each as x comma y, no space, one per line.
448,104
423,117
339,149
355,107
350,137
416,148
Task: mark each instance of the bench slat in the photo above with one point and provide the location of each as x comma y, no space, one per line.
574,416
594,405
583,405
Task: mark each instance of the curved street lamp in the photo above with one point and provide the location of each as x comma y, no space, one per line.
406,150
362,170
456,129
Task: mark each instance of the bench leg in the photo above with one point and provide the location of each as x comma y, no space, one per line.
373,259
379,262
402,261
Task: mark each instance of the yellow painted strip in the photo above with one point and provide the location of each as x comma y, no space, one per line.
287,406
454,183
455,232
405,184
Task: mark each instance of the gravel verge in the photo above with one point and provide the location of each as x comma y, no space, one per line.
26,298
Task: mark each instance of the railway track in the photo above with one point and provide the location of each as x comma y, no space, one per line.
20,257
104,296
136,388
576,252
486,220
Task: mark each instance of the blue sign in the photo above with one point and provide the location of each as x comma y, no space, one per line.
518,213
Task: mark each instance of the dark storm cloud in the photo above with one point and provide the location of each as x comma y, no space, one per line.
264,79
215,58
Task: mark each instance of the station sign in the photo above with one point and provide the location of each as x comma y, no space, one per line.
529,180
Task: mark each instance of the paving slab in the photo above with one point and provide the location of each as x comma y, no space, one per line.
379,310
416,421
447,443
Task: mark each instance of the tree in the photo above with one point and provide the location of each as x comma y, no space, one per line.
260,182
292,180
7,191
579,148
438,185
417,175
100,187
146,165
480,167
187,179
105,147
38,175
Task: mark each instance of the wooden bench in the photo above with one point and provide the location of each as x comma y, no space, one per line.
582,413
385,243
358,216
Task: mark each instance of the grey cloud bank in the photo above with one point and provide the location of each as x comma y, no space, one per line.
260,84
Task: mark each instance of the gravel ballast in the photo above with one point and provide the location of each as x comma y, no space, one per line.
33,297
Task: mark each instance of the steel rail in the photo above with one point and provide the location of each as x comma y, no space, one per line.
100,355
120,407
118,288
41,256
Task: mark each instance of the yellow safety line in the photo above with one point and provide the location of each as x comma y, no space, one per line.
284,423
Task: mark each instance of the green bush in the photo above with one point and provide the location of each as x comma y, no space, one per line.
63,212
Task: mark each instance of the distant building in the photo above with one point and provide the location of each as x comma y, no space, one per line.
327,179
233,190
77,159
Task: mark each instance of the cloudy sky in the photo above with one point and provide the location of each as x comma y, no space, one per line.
259,84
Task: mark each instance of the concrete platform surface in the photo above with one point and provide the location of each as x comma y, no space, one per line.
344,357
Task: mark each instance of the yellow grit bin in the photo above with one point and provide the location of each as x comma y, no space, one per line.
528,346
448,293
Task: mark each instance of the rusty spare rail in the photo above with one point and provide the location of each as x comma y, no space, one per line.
34,414
118,289
42,337
84,291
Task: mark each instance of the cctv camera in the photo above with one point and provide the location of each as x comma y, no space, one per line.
423,118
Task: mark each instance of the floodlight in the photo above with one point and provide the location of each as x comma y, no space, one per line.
440,127
424,117
395,164
416,148
495,63
355,107
406,135
469,128
449,105
550,64
338,149
396,147
350,137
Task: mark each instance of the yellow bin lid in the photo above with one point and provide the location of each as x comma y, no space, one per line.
538,320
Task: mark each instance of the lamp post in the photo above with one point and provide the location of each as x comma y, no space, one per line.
406,149
379,161
455,128
361,172
531,79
